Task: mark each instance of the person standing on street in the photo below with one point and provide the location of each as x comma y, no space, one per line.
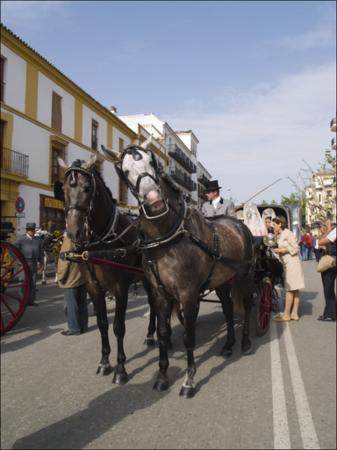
75,294
293,274
216,206
329,244
31,248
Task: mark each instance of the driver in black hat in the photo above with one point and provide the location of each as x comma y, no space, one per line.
216,206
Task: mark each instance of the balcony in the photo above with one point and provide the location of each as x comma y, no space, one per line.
333,126
184,180
14,163
333,143
203,180
176,153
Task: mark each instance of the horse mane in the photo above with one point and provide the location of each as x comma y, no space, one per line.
100,177
168,180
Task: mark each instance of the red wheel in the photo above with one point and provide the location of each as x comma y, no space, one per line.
15,285
264,307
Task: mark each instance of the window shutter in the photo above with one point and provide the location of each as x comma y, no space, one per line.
56,117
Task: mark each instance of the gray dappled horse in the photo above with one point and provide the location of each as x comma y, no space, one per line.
183,255
94,222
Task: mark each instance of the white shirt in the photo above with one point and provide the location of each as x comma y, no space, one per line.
332,235
216,201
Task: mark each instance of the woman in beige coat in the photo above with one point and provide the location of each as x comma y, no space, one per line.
288,249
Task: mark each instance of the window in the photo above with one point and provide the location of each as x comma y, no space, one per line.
94,134
121,144
55,168
56,116
2,75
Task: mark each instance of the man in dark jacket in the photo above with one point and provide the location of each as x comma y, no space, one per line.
31,248
216,206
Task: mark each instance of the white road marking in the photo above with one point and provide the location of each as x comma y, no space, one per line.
307,427
280,418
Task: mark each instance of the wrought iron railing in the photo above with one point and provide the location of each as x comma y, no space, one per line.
182,159
184,180
14,162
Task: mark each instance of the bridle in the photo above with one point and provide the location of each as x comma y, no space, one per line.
92,238
134,151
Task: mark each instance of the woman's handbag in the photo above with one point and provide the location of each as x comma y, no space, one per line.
326,262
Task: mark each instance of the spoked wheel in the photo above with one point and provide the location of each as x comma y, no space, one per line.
264,306
15,285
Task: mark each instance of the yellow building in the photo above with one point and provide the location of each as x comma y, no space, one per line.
44,115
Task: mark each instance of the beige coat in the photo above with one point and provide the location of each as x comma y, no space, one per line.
68,272
293,272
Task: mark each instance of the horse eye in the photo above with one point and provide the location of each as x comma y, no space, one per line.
86,187
136,155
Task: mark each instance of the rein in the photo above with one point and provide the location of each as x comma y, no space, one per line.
110,230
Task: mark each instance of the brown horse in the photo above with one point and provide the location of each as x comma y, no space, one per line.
93,221
183,255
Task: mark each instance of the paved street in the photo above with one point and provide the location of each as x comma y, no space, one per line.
281,396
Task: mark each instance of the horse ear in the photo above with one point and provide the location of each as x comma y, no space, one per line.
89,164
111,154
119,171
62,163
146,143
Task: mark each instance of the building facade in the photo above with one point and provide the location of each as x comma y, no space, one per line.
44,115
320,194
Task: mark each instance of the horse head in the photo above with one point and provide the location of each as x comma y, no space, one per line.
138,167
79,191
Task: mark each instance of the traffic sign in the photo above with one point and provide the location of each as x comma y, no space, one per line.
20,204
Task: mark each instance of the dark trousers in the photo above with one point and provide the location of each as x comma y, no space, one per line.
33,276
76,309
329,286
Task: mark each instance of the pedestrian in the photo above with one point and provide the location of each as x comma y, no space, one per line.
216,205
328,245
75,294
31,248
307,243
288,249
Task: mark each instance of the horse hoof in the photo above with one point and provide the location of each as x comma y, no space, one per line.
187,391
226,352
161,385
103,370
120,378
150,342
247,349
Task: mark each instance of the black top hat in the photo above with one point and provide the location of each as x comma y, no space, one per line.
212,186
30,226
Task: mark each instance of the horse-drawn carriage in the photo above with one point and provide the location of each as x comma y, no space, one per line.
181,255
15,281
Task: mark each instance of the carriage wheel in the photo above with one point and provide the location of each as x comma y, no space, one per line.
264,307
15,285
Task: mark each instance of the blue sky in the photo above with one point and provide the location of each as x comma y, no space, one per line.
255,81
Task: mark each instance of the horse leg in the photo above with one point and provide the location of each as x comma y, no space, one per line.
149,340
121,295
163,317
98,298
190,311
227,308
246,345
44,267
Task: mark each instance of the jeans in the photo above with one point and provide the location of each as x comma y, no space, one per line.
306,253
76,309
328,280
